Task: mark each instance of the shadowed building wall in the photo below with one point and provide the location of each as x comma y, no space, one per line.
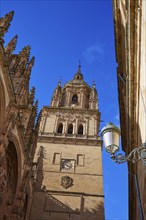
130,42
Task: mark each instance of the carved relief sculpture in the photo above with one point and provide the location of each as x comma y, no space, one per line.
66,182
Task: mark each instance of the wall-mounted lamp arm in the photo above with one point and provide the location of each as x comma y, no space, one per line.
111,137
138,153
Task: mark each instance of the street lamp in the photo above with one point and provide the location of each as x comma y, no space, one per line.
111,140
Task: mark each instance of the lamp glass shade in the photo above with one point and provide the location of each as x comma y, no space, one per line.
111,137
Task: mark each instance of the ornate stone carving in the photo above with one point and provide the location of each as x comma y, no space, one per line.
29,66
3,177
72,119
13,118
11,45
81,120
17,109
31,96
5,23
66,182
9,124
62,118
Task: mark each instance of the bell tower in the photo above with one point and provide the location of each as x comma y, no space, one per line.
69,180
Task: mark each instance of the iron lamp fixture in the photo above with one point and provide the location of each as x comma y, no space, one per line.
111,140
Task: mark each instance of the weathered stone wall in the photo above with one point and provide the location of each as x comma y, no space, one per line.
83,199
69,181
130,42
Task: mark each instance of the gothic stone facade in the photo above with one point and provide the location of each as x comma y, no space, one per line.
130,39
17,116
69,182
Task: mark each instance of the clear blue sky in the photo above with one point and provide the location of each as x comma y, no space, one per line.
60,34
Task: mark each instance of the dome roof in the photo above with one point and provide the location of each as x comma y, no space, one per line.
78,79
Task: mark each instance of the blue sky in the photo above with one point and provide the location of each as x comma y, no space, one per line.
60,34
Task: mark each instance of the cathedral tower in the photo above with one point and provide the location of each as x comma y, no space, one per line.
69,181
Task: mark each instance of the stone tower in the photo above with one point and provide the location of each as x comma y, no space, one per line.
69,181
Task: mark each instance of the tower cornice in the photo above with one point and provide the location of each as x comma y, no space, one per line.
74,139
72,110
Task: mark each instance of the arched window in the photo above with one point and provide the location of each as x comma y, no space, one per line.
74,99
70,129
63,99
80,129
60,128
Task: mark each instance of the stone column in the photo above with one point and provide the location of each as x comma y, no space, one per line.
44,121
55,124
82,99
65,126
95,126
86,126
76,126
68,97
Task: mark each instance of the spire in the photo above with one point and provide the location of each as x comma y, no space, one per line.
36,107
24,58
20,62
78,75
25,52
31,63
93,97
31,124
58,89
79,69
59,83
93,89
32,95
5,23
56,98
93,85
29,67
11,45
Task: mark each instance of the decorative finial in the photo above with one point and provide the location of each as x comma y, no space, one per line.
93,84
79,63
25,52
79,67
11,45
32,95
29,66
60,80
5,23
